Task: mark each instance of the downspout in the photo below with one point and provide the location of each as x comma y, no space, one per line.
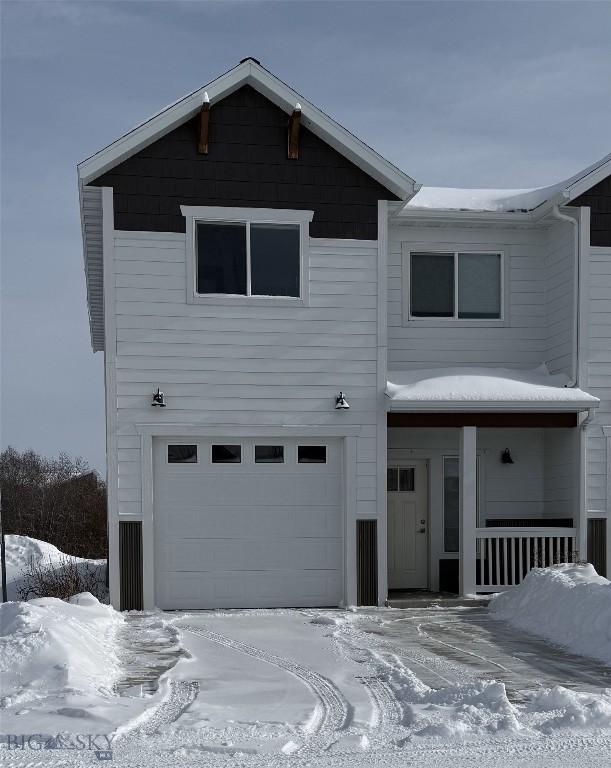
575,355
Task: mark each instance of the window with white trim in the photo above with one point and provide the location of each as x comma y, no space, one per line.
459,285
247,255
247,258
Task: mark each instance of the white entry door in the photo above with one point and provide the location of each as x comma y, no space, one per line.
408,526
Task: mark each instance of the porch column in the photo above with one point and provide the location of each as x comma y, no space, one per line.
468,509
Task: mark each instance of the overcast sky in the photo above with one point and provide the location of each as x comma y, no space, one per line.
455,94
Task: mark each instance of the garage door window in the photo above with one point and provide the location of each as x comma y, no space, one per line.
312,454
269,454
182,454
226,454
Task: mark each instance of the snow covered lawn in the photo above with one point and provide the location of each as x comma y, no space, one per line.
570,605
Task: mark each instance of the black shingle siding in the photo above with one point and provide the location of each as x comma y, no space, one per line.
246,166
598,199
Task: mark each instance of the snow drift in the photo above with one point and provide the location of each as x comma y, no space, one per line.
569,605
23,550
50,647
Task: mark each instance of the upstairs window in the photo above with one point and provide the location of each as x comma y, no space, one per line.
455,285
248,258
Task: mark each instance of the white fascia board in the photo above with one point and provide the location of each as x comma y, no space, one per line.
588,178
452,215
250,73
503,406
159,125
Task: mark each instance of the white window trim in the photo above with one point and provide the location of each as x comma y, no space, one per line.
406,251
248,216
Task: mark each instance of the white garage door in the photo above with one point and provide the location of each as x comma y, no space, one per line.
248,523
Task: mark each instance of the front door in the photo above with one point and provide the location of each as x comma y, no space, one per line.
408,526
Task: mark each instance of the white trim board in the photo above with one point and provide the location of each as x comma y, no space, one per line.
453,406
207,430
250,73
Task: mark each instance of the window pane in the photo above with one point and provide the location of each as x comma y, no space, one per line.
479,285
182,454
269,454
312,454
406,479
450,505
432,285
274,259
226,454
392,479
221,257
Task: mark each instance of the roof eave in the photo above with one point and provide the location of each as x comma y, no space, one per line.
251,73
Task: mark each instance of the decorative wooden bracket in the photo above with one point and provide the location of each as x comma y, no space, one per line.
204,123
293,137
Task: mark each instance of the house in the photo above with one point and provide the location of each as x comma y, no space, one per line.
324,382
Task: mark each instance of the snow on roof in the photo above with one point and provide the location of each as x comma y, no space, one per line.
459,387
507,200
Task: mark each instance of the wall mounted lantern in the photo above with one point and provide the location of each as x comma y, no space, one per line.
158,399
341,403
506,457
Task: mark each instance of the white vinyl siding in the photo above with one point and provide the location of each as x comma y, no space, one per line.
537,300
598,377
518,341
237,364
559,296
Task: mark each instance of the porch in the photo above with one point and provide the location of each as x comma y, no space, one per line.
479,496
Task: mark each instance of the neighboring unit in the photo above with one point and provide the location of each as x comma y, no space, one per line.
326,384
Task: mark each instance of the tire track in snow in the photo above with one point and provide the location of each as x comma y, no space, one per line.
332,711
181,694
387,711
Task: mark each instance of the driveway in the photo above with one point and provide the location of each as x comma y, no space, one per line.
388,687
449,645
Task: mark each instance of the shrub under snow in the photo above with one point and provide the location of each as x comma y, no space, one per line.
38,569
570,605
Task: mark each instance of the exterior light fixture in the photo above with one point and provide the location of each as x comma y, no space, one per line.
506,457
158,399
341,404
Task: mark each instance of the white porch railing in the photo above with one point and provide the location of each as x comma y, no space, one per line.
505,555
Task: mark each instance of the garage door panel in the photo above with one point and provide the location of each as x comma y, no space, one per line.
252,554
253,522
228,589
259,490
248,535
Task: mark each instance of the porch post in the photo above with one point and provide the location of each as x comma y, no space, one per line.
468,509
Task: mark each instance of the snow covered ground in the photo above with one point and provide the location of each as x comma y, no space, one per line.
360,688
